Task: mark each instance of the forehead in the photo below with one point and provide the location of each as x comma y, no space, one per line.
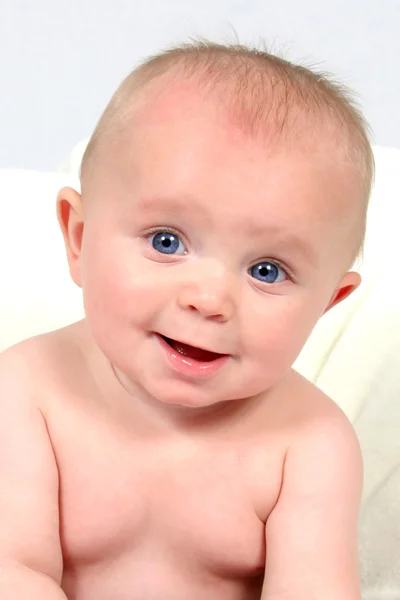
189,118
182,153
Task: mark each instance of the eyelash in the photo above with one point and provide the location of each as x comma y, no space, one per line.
159,229
154,230
278,263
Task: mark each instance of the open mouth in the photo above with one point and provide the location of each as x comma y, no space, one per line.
192,352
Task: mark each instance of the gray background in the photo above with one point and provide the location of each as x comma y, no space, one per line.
61,60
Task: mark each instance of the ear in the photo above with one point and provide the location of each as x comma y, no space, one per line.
348,284
71,219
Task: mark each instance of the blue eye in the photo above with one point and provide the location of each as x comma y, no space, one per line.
267,272
167,242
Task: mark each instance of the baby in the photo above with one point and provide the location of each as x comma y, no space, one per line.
163,448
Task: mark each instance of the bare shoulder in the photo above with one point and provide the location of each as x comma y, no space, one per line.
308,407
321,433
36,364
316,430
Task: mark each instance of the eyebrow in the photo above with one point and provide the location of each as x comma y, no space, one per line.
283,242
292,242
186,203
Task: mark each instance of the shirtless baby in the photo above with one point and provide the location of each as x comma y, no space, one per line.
163,448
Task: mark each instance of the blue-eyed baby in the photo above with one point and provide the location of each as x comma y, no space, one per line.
163,448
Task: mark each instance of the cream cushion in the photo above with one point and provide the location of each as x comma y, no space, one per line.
36,291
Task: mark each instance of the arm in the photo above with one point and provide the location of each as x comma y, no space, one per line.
311,534
30,550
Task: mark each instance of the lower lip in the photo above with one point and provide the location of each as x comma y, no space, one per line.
190,366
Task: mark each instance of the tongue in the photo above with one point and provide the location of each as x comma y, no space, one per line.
191,352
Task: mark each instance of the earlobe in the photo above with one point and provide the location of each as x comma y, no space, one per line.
71,220
347,286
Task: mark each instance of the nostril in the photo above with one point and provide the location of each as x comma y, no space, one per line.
207,299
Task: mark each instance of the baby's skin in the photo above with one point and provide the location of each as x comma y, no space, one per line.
135,467
127,506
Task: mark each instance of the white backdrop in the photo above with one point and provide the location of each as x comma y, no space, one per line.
60,60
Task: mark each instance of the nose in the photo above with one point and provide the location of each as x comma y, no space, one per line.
210,294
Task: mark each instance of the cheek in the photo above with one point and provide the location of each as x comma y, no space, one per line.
279,326
118,283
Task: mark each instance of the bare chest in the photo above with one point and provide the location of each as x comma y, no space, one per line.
141,511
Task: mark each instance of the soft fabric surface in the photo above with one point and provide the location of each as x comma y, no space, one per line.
353,353
36,292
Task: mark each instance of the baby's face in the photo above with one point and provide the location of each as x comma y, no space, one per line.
202,236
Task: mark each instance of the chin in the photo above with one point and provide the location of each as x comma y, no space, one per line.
189,398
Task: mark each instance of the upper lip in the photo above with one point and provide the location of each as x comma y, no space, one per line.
189,344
